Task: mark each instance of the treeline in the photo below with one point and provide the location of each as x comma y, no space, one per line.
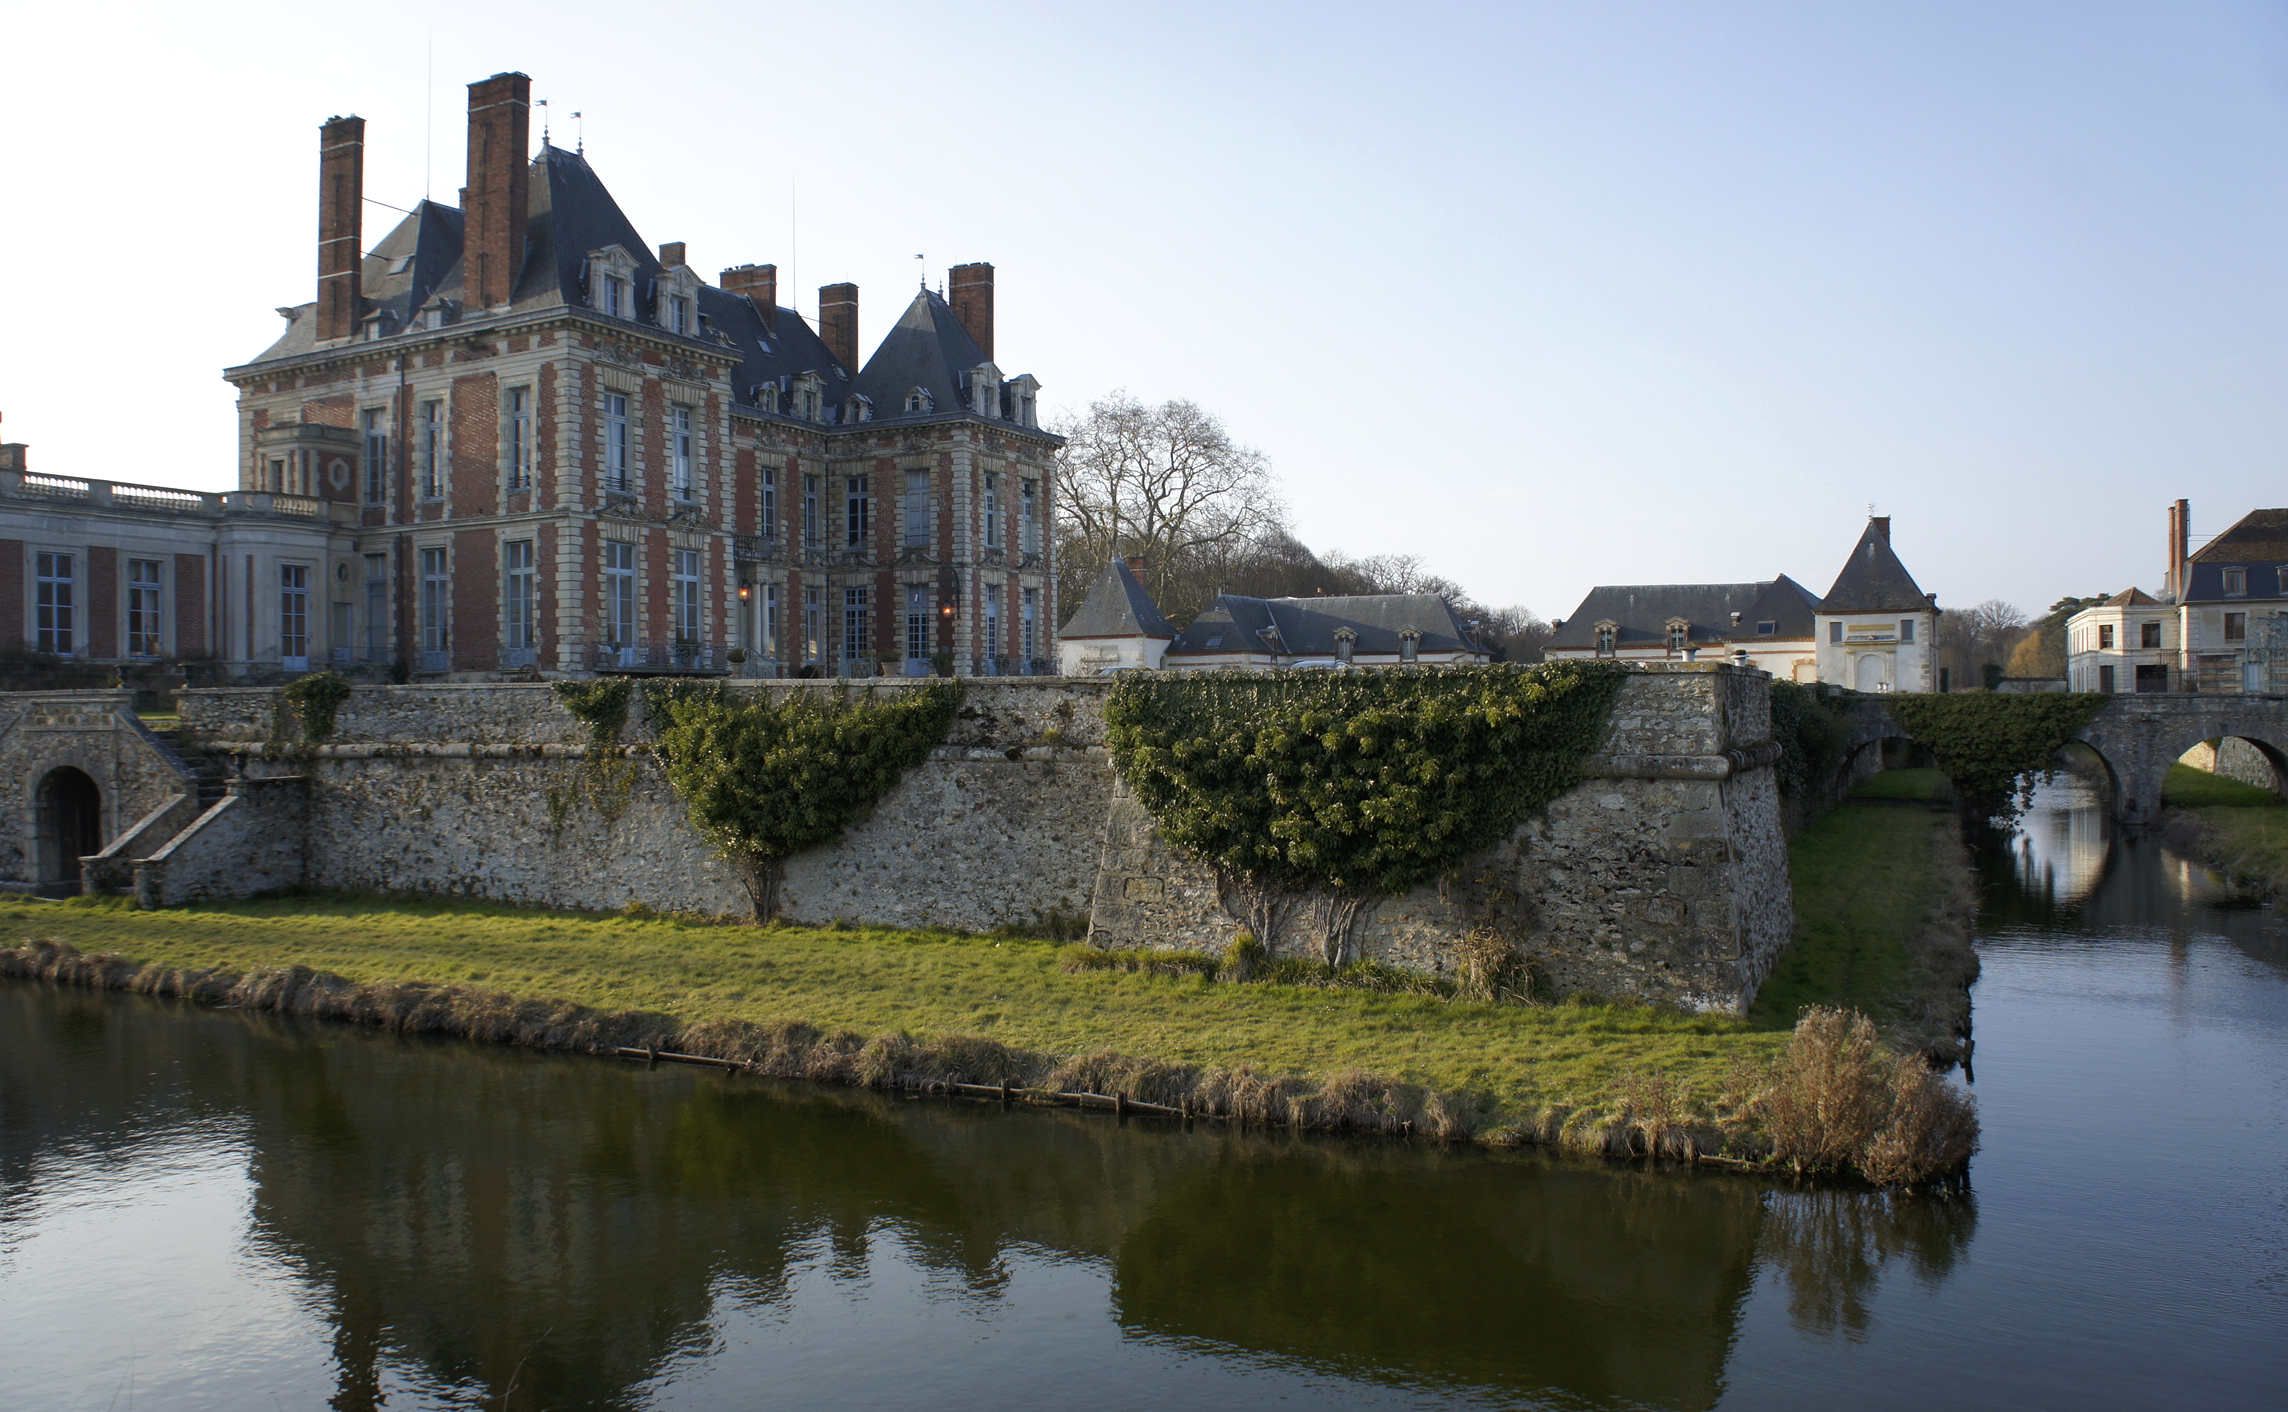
1169,485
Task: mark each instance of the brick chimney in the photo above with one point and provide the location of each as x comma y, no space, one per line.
969,288
500,171
14,455
1882,524
838,322
759,283
2180,544
341,225
671,255
1135,562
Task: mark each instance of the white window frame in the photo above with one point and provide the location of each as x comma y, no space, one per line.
813,624
294,614
431,442
616,442
374,423
917,624
857,626
993,510
435,597
914,508
517,413
811,529
621,599
770,501
1031,610
684,581
770,644
519,579
146,608
857,509
680,439
1029,518
55,602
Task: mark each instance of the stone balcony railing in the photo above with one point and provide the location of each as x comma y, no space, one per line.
172,500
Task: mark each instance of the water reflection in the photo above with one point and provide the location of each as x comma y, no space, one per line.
472,1227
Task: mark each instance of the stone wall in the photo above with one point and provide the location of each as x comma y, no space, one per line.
1662,876
486,791
95,732
2234,759
251,842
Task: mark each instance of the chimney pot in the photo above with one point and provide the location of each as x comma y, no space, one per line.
1135,564
341,225
969,289
838,322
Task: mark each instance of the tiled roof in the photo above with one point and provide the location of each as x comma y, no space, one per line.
1118,606
1873,580
1642,612
1306,627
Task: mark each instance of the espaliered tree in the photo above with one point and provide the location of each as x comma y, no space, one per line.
1992,744
1344,787
764,779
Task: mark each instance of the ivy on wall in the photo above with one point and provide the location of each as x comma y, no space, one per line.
764,779
1811,734
1342,787
1992,744
609,778
315,700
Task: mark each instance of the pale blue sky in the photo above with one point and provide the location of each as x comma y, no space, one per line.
1548,296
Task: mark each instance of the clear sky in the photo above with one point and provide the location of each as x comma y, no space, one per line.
1547,296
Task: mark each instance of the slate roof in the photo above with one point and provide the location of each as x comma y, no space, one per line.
1873,580
1306,627
2131,598
927,348
1118,606
2257,544
1641,613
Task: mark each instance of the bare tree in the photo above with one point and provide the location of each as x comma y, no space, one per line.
1974,643
1168,483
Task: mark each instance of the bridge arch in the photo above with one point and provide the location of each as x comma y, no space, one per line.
2140,737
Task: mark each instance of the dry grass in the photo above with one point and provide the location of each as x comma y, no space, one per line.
1837,1101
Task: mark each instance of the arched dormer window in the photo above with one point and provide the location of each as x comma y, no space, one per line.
767,396
1409,644
679,301
612,282
1608,636
919,401
985,390
810,397
1346,642
1679,636
1023,391
861,408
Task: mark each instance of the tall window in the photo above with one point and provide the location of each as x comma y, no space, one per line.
436,594
917,623
2236,627
376,607
1605,636
916,512
856,507
770,504
143,601
1029,522
771,620
678,314
613,297
619,593
615,441
1029,625
294,615
2104,636
813,625
52,603
857,627
993,510
686,584
1678,635
2148,635
1907,630
810,535
516,595
376,426
520,438
679,451
992,621
432,447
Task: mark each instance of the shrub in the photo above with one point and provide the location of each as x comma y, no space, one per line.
1244,957
1992,745
314,700
1837,1101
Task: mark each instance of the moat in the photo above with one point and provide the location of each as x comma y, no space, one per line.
219,1209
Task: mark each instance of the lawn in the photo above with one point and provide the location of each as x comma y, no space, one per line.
1523,1059
2243,830
1882,904
1924,786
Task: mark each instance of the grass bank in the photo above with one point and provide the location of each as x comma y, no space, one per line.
1885,899
2237,828
912,1009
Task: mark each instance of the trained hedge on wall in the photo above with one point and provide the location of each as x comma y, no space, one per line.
1993,745
1812,737
1347,786
765,779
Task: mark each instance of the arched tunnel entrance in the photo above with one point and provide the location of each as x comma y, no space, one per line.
70,826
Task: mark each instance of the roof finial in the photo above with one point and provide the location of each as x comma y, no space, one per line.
580,134
542,103
925,268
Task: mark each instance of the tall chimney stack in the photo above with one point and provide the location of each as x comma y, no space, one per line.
838,322
2180,546
500,147
759,283
969,288
341,225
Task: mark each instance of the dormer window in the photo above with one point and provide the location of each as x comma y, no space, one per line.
1608,635
1409,644
1766,627
861,408
767,397
2235,582
1022,393
612,297
810,397
919,401
985,390
1346,642
678,314
1679,635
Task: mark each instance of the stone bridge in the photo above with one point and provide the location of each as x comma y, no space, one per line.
2137,737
